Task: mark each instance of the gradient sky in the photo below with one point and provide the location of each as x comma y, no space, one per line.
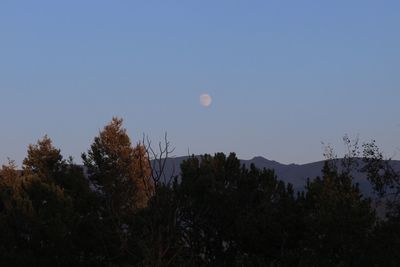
284,75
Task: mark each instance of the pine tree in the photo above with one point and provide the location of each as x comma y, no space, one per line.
16,218
121,175
338,220
120,171
47,209
43,159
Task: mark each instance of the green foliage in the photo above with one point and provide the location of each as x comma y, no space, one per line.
121,175
338,221
232,215
157,231
43,210
43,159
216,213
385,240
120,171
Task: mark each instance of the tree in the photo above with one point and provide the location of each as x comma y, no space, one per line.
385,178
158,230
383,242
119,170
338,219
208,208
43,159
48,208
52,224
234,216
16,217
121,175
36,219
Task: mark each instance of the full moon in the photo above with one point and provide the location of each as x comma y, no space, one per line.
205,100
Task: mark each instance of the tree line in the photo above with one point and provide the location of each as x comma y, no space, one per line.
118,210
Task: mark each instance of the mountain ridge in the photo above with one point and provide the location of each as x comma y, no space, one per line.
296,174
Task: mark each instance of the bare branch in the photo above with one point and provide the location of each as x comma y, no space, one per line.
158,160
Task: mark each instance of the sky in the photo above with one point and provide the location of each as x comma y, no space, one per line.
284,76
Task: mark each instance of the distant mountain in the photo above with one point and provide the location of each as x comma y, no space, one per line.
290,173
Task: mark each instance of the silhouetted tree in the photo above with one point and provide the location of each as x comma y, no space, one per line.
43,160
121,175
338,219
122,210
385,241
40,211
16,219
234,216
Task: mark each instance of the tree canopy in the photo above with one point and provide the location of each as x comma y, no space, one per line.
114,211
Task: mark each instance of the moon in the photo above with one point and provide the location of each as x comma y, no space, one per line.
205,100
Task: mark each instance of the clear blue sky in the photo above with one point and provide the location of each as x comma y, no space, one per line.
284,75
